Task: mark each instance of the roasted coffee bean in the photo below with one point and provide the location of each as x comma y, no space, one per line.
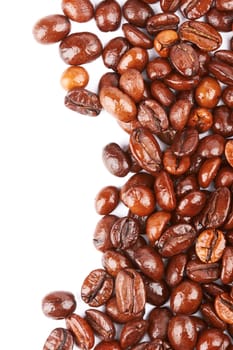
224,307
208,92
161,93
227,96
162,21
156,344
157,292
186,298
149,262
227,265
158,68
201,272
175,165
137,12
101,324
142,178
156,224
191,204
175,269
97,288
201,119
124,232
224,177
193,9
186,185
114,261
130,292
222,71
59,339
176,239
136,58
182,332
164,40
108,345
132,332
220,20
152,116
109,79
106,200
199,323
208,171
211,146
169,5
164,191
83,101
202,34
178,82
114,313
58,304
81,330
136,37
179,114
185,142
185,59
80,48
114,50
229,152
131,82
101,236
212,339
74,77
158,322
80,12
108,15
51,29
146,150
210,316
115,160
117,103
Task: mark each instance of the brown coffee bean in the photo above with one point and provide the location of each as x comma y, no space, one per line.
186,298
227,96
74,77
223,121
83,102
108,345
223,305
229,152
97,288
117,103
208,171
201,119
136,37
146,150
114,50
113,312
208,92
152,116
137,12
106,200
224,177
179,114
108,15
202,34
59,339
132,332
158,68
193,9
157,292
176,239
211,146
162,21
158,322
149,262
175,165
139,199
51,29
130,292
210,245
164,40
214,338
222,71
182,332
109,79
186,185
210,316
185,142
178,82
191,204
101,324
161,92
201,272
124,232
220,20
156,224
175,269
227,265
58,304
115,159
114,261
81,330
156,344
80,48
131,82
81,11
136,58
101,236
164,191
185,59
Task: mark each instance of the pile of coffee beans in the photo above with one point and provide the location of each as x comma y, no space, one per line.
166,280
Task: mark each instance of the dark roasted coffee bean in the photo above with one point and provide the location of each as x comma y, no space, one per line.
208,92
185,142
150,262
136,58
175,165
136,37
101,324
156,224
137,12
81,330
157,292
161,93
131,82
208,171
164,191
114,261
200,118
185,59
213,339
115,159
106,200
114,313
211,146
227,96
152,116
158,322
113,50
193,9
224,5
58,304
224,307
169,5
109,79
220,20
108,15
132,332
210,316
80,12
222,71
97,288
191,204
182,332
124,232
162,21
175,270
227,265
83,101
59,339
101,236
80,48
51,29
158,68
108,345
179,82
201,272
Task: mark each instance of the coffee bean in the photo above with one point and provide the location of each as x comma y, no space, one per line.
101,324
81,12
59,339
83,101
81,330
58,304
51,29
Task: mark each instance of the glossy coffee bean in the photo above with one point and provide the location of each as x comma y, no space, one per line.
157,292
158,68
221,20
135,57
106,200
224,307
182,332
113,50
152,116
229,152
185,59
158,322
227,265
108,15
213,339
101,236
101,324
108,345
58,304
185,142
81,330
179,82
186,297
208,171
109,79
131,82
80,48
97,288
164,40
210,316
161,93
81,11
191,204
124,232
200,118
164,191
223,120
117,316
208,92
179,113
59,339
194,9
211,146
115,159
175,165
51,29
149,262
210,245
136,37
74,77
224,177
139,199
137,12
114,261
162,21
224,5
83,101
186,185
227,96
221,70
132,332
175,270
201,272
156,224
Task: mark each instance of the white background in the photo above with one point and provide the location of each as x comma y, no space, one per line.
50,171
